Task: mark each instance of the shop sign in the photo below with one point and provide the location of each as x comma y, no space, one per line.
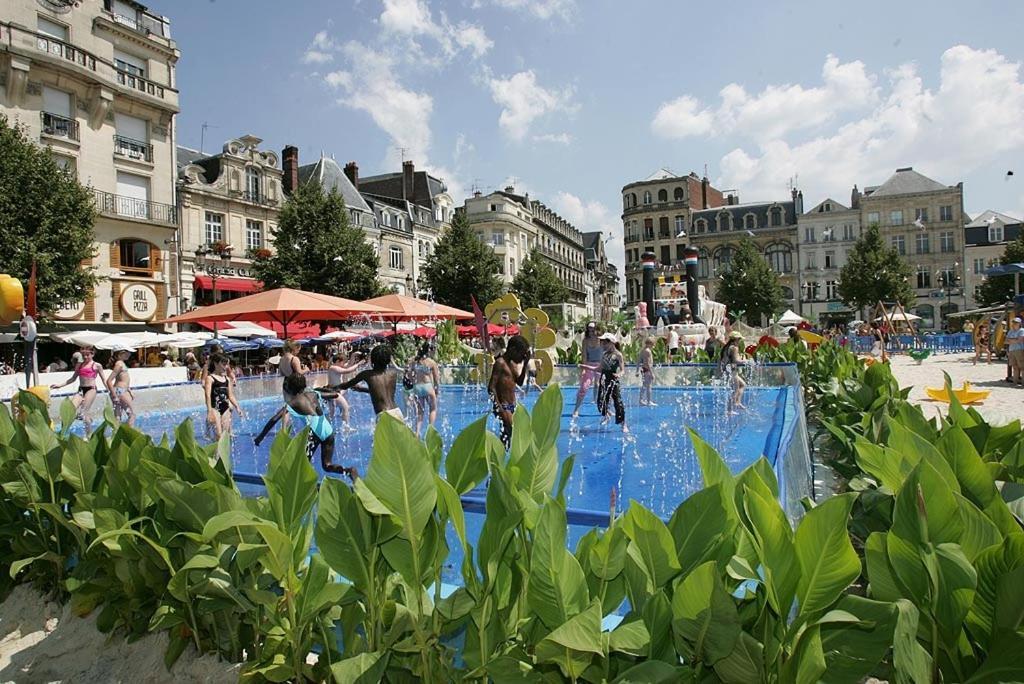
69,310
139,302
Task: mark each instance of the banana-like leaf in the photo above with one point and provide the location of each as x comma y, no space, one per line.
704,615
465,465
400,476
343,533
828,562
558,587
652,542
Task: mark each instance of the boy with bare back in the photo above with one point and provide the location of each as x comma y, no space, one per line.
379,382
509,371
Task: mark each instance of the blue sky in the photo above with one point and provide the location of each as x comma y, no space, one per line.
575,98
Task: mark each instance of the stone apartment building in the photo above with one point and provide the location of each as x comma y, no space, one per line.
95,82
924,221
826,235
656,217
229,204
602,275
561,244
985,240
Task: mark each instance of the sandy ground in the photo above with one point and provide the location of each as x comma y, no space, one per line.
1004,404
42,641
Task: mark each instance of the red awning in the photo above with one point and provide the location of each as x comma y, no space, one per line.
202,282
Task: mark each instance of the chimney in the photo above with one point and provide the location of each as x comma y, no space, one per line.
855,198
290,166
799,206
408,174
352,172
510,189
704,192
476,193
731,199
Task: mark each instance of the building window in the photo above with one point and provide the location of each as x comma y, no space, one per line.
632,199
722,259
129,64
921,214
678,194
680,226
946,213
511,266
830,259
136,256
831,289
927,314
924,277
809,234
395,259
663,195
58,115
946,242
679,252
776,216
750,222
666,255
979,267
812,260
922,244
663,230
386,219
400,222
724,221
647,196
848,231
896,217
899,243
701,226
214,228
779,257
497,238
66,164
947,277
253,234
873,219
703,264
51,28
995,232
132,137
253,184
648,229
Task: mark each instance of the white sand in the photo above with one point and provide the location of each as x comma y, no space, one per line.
42,641
1004,404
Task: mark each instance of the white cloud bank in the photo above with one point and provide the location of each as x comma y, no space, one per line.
523,101
541,9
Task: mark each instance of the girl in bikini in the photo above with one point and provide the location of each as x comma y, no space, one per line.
119,385
220,397
426,388
337,373
86,373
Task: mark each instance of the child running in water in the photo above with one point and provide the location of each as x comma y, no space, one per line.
426,388
338,373
646,366
119,386
220,397
86,373
612,367
591,366
379,382
304,406
729,364
509,371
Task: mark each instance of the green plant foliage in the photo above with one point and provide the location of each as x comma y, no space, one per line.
537,283
461,267
750,284
875,272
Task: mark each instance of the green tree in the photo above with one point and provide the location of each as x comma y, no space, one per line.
316,248
536,282
999,289
462,266
46,216
874,272
750,284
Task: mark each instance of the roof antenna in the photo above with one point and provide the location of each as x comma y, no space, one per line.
202,136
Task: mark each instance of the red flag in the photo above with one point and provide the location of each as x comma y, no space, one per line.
481,324
32,292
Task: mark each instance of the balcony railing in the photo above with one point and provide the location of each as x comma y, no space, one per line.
133,149
136,82
58,48
135,209
254,197
142,22
59,126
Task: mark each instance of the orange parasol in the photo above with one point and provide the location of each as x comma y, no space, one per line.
410,308
283,306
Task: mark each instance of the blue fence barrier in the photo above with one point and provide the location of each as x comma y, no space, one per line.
957,342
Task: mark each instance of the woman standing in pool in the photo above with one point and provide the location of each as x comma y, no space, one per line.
646,366
609,390
220,397
120,387
290,363
729,363
591,367
426,387
86,373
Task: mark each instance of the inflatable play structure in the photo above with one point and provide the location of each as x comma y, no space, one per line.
965,395
677,301
533,324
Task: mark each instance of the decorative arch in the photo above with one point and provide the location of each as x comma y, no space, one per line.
700,225
724,221
678,194
663,195
721,258
779,256
750,221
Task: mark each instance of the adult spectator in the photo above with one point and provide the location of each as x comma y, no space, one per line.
712,345
673,344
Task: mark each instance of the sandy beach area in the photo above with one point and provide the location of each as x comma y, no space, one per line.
1004,404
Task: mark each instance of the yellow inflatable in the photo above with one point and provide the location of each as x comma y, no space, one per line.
809,337
533,325
965,395
12,299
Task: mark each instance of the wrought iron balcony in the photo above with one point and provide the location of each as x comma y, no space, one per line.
141,22
58,48
133,149
132,208
136,82
59,126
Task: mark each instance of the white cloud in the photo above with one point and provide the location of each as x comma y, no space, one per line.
542,9
473,38
777,110
371,85
319,51
523,101
413,18
946,131
556,138
589,216
462,148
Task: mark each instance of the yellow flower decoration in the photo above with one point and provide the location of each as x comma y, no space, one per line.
12,299
533,325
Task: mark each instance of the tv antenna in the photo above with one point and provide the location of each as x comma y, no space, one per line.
202,136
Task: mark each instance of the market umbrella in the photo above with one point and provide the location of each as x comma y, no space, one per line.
283,306
409,308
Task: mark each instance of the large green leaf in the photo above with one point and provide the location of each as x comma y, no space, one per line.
1004,663
607,556
365,668
828,562
979,531
806,664
853,648
888,466
910,660
573,645
992,565
547,417
78,467
655,672
883,583
44,452
712,465
652,542
318,592
704,615
745,664
400,476
773,537
630,637
290,480
466,463
956,586
343,533
925,487
558,587
975,479
537,470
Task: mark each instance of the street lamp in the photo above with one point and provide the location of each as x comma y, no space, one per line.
410,285
949,279
204,262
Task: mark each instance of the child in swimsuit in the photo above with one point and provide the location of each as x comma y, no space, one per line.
220,397
508,372
427,387
646,364
304,406
86,373
379,381
609,390
337,373
119,386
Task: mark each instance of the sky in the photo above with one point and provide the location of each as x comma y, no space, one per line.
569,100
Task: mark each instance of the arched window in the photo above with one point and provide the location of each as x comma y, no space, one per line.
253,181
632,199
703,264
647,196
724,221
722,259
663,195
776,216
678,194
780,257
625,201
680,225
787,293
750,222
701,226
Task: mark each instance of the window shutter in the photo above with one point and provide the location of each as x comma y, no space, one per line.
115,254
155,259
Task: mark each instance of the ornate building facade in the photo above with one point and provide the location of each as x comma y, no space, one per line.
826,234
